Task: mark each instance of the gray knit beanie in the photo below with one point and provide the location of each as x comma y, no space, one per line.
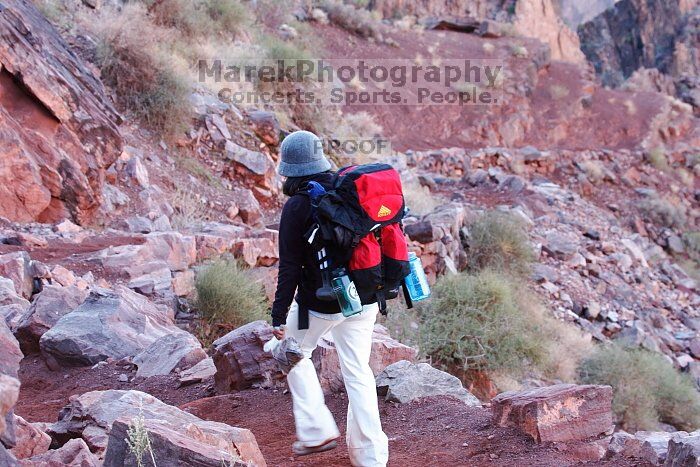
302,154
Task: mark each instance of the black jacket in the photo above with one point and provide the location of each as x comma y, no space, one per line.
298,268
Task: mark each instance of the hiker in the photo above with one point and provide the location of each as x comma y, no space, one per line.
302,160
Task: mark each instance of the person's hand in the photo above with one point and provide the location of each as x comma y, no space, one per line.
278,332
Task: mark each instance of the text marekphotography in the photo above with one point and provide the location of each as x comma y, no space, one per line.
356,81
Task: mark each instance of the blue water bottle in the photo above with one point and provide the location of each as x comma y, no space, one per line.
416,282
346,292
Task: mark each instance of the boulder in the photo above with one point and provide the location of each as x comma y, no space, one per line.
58,128
177,250
385,351
266,126
559,413
241,361
404,382
108,324
199,372
6,458
9,391
16,267
214,238
186,443
157,281
74,453
174,350
256,251
560,246
10,353
9,295
12,314
173,432
10,356
160,250
30,441
683,451
652,446
248,207
47,308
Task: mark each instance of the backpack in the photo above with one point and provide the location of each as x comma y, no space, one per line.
358,227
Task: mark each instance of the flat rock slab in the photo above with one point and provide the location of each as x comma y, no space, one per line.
563,412
178,349
404,381
201,371
200,444
108,324
101,418
46,309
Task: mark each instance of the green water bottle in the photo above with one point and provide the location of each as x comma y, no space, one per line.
346,292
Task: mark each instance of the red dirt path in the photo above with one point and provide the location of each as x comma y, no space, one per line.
430,432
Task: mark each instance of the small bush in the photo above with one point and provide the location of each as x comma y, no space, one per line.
356,21
226,294
498,240
692,244
488,47
593,170
518,51
647,389
558,91
657,158
201,18
418,198
487,321
663,212
144,77
189,210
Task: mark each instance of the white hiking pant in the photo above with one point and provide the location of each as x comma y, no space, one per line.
367,444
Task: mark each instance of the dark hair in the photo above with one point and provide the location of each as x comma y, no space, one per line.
293,185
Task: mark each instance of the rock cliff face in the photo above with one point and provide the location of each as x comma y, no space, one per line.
539,19
643,33
58,131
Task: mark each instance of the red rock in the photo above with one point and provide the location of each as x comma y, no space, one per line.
385,351
74,453
240,360
30,440
563,412
58,130
256,251
265,126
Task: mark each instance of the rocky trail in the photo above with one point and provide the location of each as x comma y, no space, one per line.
432,431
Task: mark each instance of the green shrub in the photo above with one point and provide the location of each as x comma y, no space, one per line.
144,77
692,244
487,321
657,158
663,212
418,198
226,294
354,20
201,18
647,389
498,240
